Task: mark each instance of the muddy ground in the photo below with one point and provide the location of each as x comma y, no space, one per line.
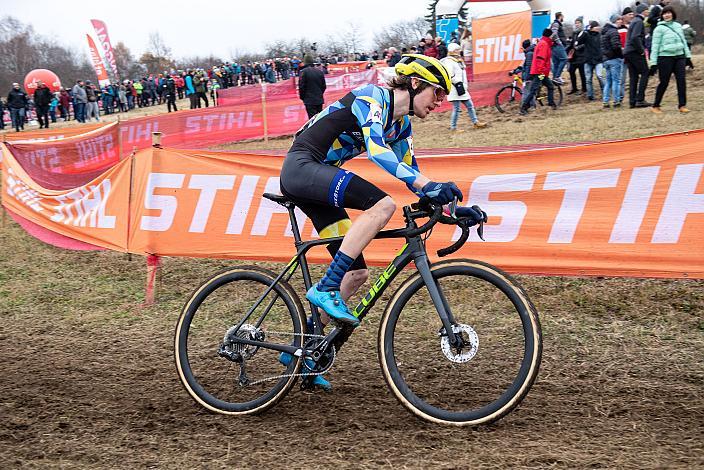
88,380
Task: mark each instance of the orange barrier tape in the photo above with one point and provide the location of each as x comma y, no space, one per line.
629,208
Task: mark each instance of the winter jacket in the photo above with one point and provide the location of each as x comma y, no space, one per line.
394,59
91,93
558,33
528,62
442,50
689,34
431,51
592,48
458,74
17,99
42,97
199,84
635,41
311,86
64,99
669,41
610,43
79,94
542,57
189,85
578,40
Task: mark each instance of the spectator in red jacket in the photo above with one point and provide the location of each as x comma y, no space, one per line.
430,49
540,72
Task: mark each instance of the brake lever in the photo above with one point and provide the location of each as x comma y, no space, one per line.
480,230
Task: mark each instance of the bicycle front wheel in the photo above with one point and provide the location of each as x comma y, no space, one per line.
480,383
508,99
206,329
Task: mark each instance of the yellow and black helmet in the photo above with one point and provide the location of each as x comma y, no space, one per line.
426,68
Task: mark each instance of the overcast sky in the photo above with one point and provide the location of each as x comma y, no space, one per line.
223,28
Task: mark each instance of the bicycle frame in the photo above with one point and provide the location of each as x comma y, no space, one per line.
412,250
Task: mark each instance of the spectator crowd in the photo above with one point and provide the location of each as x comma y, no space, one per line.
628,49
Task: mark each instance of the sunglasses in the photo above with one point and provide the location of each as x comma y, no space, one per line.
439,92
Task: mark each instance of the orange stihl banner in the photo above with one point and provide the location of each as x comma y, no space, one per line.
628,208
497,41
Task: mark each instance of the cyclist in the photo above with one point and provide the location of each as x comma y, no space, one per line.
376,120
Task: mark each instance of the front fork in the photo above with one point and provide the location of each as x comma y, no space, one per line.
439,300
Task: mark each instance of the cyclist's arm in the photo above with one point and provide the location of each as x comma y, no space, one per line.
369,115
403,148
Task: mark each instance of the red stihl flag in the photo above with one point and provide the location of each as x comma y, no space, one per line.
97,63
101,30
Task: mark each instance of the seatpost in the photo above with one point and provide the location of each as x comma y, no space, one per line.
294,223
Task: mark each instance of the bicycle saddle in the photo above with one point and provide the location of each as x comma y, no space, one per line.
279,199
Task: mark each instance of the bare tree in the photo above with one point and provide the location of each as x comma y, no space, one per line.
22,50
127,66
351,38
401,34
157,47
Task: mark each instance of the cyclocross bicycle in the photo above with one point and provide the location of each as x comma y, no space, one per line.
508,98
459,342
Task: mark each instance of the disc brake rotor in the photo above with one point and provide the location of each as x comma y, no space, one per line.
471,341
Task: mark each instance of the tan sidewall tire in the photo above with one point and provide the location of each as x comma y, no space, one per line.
295,301
536,353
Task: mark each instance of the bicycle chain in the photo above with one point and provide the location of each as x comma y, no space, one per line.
304,335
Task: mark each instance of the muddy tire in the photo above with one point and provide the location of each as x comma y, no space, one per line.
468,387
214,308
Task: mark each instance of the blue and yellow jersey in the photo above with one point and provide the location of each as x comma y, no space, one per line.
362,121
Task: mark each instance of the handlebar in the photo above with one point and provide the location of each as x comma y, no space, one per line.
423,208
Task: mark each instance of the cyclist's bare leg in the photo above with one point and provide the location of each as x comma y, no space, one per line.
362,232
366,226
352,281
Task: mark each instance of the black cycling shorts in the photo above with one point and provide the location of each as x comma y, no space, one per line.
323,192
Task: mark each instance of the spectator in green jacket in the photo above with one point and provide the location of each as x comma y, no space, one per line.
670,54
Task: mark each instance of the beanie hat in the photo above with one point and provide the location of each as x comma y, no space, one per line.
641,8
614,18
580,19
307,59
626,11
453,47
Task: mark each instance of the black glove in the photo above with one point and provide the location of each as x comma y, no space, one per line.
690,64
653,69
474,214
442,193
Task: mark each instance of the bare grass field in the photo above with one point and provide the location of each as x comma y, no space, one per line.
89,379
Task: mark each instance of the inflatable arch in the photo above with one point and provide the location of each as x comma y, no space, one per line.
451,7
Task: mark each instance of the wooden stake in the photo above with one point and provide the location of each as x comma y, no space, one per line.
153,275
153,261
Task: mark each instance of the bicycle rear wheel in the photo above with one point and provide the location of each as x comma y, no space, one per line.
206,324
481,383
508,99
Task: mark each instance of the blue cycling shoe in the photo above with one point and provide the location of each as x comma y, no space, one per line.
285,359
333,305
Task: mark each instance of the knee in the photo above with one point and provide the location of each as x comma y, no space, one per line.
386,207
